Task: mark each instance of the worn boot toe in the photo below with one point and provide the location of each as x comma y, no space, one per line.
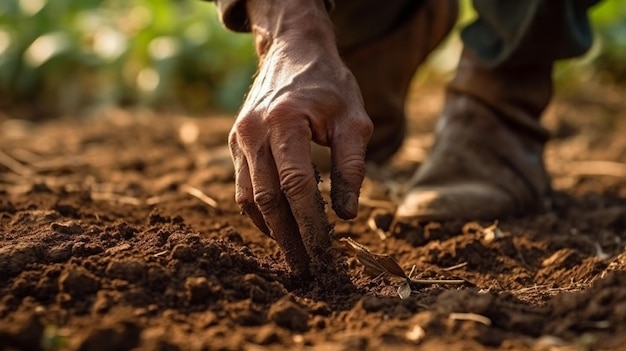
462,200
479,168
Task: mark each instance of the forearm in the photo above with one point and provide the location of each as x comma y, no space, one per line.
233,14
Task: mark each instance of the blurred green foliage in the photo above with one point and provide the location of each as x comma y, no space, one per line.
609,20
66,55
605,62
62,56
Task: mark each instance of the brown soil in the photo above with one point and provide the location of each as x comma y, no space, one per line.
107,244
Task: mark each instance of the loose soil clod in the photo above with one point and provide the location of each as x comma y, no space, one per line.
108,252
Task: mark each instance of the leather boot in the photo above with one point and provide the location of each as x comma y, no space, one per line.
385,66
487,160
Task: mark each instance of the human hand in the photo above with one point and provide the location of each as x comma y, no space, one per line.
303,92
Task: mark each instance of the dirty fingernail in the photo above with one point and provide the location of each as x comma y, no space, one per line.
351,204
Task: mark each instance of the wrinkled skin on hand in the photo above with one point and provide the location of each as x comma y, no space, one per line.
303,92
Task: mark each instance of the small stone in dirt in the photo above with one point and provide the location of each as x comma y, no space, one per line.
199,289
119,248
22,332
320,308
401,312
225,260
68,228
40,188
82,249
158,278
233,235
119,336
372,303
60,253
266,335
158,345
78,282
67,210
289,314
156,218
14,258
7,207
129,270
184,253
102,303
126,231
351,341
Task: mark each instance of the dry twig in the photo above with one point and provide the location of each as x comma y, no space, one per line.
456,266
438,281
597,168
14,165
470,317
373,203
112,197
197,193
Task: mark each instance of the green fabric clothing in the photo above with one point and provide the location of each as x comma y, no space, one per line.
506,32
509,32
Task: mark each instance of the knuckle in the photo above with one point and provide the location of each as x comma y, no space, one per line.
246,127
365,127
242,199
296,183
233,142
274,118
232,135
278,113
266,199
243,195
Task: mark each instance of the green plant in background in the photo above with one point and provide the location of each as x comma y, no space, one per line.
67,54
610,22
605,63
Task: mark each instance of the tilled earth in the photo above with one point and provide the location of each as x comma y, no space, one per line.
120,232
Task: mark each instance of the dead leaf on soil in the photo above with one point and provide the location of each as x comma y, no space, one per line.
375,263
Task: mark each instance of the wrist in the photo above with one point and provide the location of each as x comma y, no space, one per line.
291,21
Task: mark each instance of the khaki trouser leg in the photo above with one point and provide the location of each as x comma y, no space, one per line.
383,46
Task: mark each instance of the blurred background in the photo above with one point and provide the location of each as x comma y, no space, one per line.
63,57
